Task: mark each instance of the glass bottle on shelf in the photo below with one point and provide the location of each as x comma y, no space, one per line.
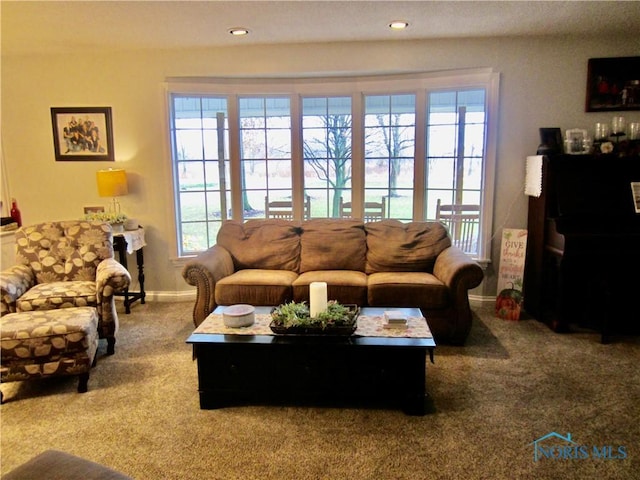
15,212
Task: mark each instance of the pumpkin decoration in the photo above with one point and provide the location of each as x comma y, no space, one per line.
509,304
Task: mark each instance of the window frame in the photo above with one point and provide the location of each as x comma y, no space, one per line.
357,87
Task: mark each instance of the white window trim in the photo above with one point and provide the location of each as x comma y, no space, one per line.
357,86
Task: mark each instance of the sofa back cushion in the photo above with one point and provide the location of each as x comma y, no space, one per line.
64,251
333,244
393,246
271,244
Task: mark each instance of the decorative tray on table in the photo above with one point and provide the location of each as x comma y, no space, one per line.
293,318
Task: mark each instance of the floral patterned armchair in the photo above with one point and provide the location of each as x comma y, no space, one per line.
62,265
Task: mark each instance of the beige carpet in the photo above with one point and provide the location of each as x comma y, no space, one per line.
513,383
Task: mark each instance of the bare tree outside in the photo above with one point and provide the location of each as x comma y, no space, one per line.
395,142
335,166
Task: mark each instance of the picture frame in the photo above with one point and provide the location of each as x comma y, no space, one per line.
550,141
575,141
88,210
635,192
82,133
613,84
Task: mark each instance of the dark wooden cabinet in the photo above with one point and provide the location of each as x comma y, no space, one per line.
545,247
583,252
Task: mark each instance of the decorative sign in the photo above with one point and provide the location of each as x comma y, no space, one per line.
635,191
511,273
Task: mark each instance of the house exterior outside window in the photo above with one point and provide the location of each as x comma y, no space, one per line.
200,160
265,152
326,137
389,138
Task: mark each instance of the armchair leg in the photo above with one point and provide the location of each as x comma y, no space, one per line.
111,345
83,380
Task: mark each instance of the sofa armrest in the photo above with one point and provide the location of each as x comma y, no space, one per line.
203,272
14,282
460,273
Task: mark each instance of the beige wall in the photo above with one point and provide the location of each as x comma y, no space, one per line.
542,85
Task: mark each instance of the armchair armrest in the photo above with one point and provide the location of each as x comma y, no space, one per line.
203,272
460,273
14,282
111,277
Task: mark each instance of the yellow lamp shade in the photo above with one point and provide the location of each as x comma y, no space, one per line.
112,182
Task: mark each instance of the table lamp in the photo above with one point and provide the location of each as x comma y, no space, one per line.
112,183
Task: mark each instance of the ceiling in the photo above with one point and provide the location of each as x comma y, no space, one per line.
91,26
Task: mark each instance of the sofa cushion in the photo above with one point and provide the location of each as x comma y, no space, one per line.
256,287
393,246
345,286
407,289
271,244
333,244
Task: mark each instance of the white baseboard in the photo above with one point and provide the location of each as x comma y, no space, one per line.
477,299
190,296
182,296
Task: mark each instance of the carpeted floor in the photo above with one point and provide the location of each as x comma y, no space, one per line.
513,383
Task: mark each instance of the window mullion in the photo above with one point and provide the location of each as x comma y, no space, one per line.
357,155
297,164
420,155
458,182
234,157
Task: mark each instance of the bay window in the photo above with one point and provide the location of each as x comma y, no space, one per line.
406,143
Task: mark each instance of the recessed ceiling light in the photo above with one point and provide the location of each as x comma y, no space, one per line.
239,31
398,25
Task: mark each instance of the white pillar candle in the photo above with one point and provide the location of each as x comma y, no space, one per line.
618,125
317,298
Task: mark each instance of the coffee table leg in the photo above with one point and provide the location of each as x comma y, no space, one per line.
214,400
415,406
419,405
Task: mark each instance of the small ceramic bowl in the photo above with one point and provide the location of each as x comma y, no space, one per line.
240,315
131,224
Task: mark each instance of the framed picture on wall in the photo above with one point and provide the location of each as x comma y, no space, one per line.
82,133
613,84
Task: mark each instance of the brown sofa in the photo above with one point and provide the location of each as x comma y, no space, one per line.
387,263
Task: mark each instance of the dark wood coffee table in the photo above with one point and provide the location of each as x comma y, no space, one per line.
313,369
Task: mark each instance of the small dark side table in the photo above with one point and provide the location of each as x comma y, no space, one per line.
120,246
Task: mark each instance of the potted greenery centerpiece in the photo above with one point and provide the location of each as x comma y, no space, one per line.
294,318
116,219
